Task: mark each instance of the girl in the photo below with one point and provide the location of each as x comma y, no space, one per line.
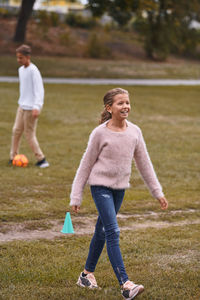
106,166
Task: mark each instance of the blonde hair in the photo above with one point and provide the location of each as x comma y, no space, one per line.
108,100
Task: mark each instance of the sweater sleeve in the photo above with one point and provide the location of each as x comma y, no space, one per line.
145,167
38,89
89,158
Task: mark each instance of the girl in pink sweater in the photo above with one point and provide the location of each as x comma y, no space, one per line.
106,167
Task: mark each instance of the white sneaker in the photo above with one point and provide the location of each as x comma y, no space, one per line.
88,281
45,164
130,290
42,163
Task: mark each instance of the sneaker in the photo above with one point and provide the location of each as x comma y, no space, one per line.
42,163
88,281
130,290
10,161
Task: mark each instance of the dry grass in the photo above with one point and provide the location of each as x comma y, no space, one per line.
101,68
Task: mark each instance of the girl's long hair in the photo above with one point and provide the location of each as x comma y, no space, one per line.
108,100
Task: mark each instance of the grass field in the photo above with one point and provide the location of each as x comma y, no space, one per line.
91,68
160,249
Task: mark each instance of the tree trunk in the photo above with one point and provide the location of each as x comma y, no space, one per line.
24,15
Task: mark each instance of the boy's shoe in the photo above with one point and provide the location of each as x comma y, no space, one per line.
88,281
42,163
10,161
130,290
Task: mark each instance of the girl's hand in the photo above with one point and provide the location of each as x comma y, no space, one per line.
163,203
75,208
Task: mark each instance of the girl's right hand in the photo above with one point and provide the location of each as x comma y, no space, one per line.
75,208
163,203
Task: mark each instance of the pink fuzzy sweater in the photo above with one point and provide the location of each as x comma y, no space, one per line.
108,159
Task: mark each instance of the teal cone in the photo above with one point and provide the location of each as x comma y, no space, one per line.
68,227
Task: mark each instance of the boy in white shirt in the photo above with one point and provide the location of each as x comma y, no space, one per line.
30,104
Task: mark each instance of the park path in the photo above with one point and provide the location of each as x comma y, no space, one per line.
106,81
84,225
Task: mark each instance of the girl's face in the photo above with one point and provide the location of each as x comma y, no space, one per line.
120,107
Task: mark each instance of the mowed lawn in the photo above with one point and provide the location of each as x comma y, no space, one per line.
163,258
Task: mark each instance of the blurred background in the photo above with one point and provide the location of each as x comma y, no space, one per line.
121,29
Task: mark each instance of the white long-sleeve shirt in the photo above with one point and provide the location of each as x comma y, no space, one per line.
108,159
31,88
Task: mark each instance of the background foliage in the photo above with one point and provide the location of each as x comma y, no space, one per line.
165,24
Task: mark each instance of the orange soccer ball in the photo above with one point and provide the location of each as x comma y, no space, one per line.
20,160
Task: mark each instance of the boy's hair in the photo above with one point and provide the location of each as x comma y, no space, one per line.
24,49
108,100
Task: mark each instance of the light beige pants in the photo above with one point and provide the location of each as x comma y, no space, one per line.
26,123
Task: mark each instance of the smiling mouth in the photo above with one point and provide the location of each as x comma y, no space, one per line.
124,112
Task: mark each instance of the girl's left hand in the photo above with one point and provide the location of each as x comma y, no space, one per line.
75,208
163,203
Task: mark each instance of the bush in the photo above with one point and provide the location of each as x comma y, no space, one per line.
54,17
5,13
48,19
186,42
64,38
96,48
77,20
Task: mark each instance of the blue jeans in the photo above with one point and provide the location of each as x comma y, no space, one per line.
108,202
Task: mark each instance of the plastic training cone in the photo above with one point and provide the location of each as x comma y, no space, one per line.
68,227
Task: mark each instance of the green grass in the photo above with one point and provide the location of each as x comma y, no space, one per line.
91,68
165,260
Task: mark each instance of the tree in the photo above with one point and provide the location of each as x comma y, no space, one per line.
24,15
166,27
165,24
119,10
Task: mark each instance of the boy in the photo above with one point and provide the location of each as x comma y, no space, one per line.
30,104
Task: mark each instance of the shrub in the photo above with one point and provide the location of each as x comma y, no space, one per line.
5,13
77,20
96,48
64,38
54,17
47,19
186,42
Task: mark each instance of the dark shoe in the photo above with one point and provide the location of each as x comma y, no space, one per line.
10,161
42,163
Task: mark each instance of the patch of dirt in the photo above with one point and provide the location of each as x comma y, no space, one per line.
181,258
43,229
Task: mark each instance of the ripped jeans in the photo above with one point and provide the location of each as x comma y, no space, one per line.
108,202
